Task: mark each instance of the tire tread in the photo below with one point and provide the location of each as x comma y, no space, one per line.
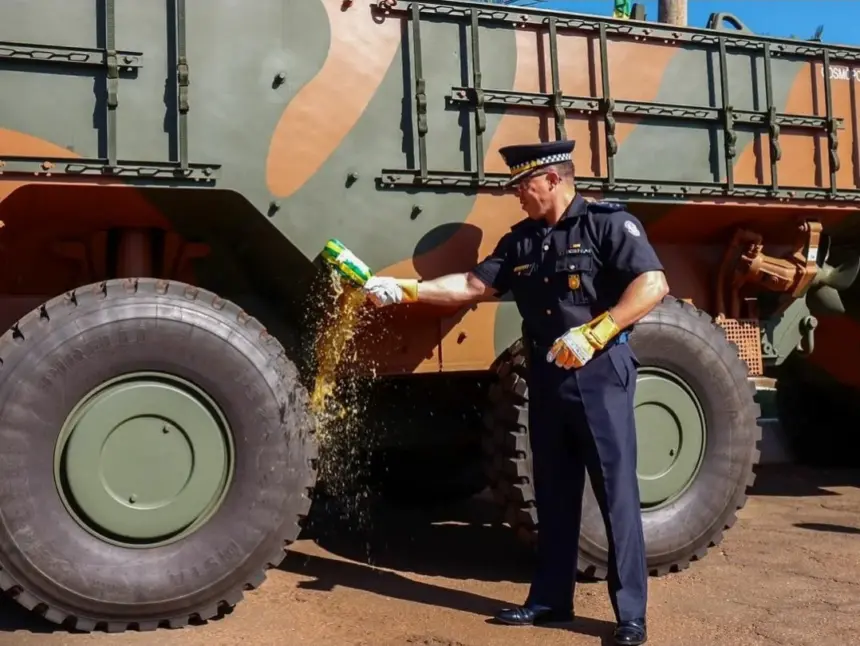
294,405
507,433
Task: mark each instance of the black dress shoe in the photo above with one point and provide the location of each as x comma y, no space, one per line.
630,633
533,615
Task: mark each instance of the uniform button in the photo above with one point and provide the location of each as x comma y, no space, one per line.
546,247
573,266
546,280
548,312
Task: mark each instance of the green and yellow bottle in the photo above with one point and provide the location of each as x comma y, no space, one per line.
346,263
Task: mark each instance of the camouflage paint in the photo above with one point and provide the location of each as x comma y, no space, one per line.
345,107
337,95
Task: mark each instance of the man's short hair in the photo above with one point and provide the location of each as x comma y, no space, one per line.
565,170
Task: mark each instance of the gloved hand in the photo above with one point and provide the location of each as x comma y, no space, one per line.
384,290
577,346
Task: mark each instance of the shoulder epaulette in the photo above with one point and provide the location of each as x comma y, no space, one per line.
606,207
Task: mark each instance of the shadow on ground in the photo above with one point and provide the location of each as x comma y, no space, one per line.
796,480
456,541
329,573
463,540
828,527
467,540
385,541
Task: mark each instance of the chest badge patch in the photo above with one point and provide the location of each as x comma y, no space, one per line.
573,281
632,229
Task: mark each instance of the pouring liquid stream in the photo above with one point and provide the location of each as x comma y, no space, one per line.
341,396
332,344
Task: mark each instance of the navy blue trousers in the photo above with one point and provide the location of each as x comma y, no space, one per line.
582,420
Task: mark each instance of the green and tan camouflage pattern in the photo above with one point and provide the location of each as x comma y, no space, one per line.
303,104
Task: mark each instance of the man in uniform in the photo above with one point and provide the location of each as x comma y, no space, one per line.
581,274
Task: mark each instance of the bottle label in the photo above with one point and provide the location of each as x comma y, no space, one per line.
353,268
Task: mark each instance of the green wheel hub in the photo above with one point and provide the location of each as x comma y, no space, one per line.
670,434
144,459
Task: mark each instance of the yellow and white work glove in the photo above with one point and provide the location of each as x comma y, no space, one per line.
384,290
577,346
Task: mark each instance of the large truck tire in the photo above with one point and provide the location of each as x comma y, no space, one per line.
697,430
156,456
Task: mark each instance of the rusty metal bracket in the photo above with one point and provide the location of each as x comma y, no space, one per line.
24,53
116,63
773,121
132,172
182,83
555,99
724,116
421,125
590,104
478,94
621,189
727,113
111,82
635,30
832,139
607,107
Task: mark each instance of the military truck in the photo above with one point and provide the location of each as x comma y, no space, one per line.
170,171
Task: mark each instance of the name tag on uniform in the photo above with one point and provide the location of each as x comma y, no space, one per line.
519,269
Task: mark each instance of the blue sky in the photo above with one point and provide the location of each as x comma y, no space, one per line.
781,18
